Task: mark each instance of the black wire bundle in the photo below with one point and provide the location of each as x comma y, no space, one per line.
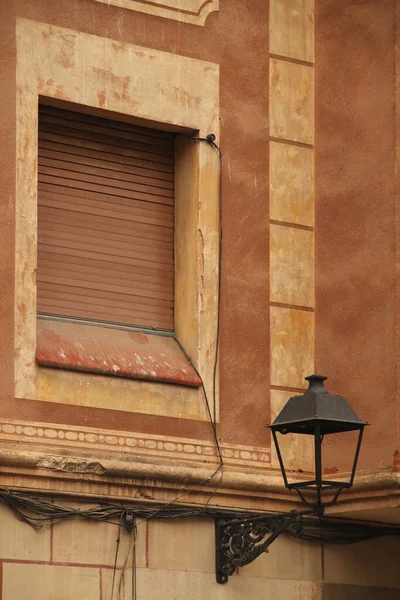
333,531
36,512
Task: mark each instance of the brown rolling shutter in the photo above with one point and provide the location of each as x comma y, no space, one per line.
105,220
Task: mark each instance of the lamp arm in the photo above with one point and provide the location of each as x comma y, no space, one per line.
239,542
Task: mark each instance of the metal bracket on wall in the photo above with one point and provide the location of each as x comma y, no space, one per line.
240,541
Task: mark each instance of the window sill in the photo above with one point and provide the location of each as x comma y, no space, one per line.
116,352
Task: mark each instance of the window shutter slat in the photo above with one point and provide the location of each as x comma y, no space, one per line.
77,146
105,220
106,161
78,167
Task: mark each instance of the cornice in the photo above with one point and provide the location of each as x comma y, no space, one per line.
63,473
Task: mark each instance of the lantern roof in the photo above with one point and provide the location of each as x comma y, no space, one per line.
317,407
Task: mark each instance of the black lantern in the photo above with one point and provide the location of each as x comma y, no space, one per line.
317,413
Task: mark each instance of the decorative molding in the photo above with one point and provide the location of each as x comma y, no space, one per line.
126,79
123,477
194,12
120,477
84,438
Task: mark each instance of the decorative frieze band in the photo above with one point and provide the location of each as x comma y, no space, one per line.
132,443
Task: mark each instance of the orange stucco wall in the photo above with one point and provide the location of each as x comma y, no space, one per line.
312,129
244,358
356,216
348,129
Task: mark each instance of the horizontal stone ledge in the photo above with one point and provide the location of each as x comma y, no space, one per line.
147,473
377,479
102,467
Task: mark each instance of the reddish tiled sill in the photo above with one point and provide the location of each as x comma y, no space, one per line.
117,352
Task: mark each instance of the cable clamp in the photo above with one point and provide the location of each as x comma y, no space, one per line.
128,521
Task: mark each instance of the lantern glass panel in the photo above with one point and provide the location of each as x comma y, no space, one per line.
319,486
338,452
297,452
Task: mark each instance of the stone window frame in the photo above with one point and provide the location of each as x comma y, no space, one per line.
96,72
77,343
195,11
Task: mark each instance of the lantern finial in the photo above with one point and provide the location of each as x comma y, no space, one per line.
316,382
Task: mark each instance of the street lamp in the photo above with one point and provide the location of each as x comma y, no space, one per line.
316,413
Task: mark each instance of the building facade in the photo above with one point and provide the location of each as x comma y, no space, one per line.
199,208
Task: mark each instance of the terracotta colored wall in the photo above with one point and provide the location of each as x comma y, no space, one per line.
355,215
7,196
355,317
244,138
236,44
355,209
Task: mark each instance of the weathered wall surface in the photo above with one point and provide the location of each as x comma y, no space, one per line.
292,285
175,561
308,279
356,214
85,54
243,364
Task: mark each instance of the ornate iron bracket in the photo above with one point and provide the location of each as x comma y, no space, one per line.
240,541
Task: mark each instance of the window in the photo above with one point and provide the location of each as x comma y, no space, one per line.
189,104
105,220
106,248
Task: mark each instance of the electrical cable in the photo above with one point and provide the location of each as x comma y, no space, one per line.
161,509
134,588
36,512
130,551
220,155
210,140
116,556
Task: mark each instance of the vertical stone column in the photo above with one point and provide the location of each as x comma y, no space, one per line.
292,294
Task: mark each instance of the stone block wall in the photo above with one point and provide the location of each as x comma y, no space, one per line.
283,261
175,561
